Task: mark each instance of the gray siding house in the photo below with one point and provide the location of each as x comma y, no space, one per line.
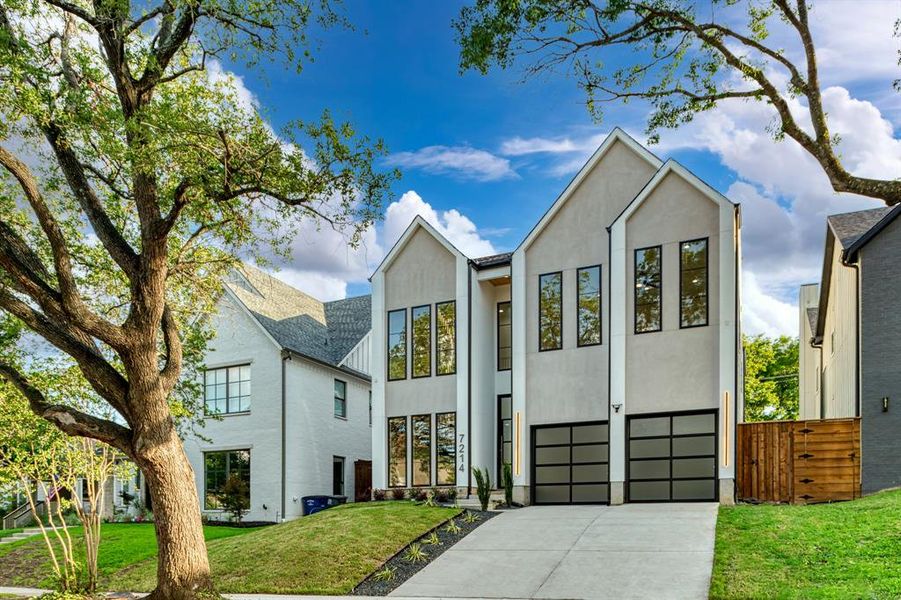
851,338
599,358
287,396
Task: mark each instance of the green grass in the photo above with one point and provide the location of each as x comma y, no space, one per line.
821,551
7,532
26,563
327,553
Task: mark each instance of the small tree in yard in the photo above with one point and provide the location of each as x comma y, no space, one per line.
131,180
483,486
686,58
508,484
235,497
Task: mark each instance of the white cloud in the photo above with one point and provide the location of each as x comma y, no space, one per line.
457,161
455,226
763,313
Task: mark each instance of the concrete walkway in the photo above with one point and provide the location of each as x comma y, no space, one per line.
661,551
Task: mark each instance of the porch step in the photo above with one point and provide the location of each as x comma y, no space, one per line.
473,501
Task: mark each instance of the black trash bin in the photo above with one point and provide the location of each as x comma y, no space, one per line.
315,504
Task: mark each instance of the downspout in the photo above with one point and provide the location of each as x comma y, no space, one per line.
609,351
819,346
286,356
469,375
856,267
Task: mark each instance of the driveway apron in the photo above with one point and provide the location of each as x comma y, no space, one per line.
659,551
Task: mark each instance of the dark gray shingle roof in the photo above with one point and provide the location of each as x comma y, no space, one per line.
848,227
494,260
323,331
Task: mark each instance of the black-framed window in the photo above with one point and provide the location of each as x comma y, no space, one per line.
218,467
588,292
446,443
550,311
446,338
227,390
397,344
648,299
338,475
422,449
397,452
693,283
340,399
504,336
421,351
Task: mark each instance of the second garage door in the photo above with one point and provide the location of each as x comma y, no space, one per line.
569,463
672,457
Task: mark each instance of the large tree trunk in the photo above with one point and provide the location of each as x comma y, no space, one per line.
183,570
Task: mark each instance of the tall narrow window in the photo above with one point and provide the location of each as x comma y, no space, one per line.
446,351
422,340
693,283
227,390
648,303
588,281
504,339
340,399
397,344
550,311
338,475
422,450
397,452
446,442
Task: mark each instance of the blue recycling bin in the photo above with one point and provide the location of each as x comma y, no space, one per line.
315,504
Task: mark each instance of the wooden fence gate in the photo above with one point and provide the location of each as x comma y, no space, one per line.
802,462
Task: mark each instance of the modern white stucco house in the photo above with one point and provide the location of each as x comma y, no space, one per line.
287,377
850,338
600,358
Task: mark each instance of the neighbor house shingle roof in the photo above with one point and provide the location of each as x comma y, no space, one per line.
322,331
495,260
849,227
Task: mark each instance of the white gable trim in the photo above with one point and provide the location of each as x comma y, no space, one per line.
417,223
617,135
368,335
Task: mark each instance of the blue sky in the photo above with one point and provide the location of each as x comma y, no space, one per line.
484,156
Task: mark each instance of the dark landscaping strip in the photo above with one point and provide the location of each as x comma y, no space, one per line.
403,568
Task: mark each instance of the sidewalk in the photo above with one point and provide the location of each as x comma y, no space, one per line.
33,592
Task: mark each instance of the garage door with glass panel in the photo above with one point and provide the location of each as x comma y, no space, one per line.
672,457
569,464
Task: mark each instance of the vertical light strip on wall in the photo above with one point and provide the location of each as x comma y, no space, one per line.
726,429
517,439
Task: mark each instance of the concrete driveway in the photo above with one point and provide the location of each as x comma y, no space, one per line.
631,551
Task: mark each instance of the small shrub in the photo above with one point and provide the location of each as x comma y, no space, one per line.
398,494
440,495
432,539
470,517
452,494
415,553
430,500
386,574
508,484
483,486
452,527
379,495
419,495
235,497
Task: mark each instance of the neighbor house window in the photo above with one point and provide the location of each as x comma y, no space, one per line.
446,442
397,452
504,337
422,450
340,399
693,283
446,351
550,311
218,467
588,282
422,341
397,344
338,475
648,304
227,390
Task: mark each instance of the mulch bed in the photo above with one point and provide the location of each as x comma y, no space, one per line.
404,569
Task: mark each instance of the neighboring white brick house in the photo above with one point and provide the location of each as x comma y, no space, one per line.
600,358
276,369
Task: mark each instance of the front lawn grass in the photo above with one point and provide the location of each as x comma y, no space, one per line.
8,532
27,563
326,553
830,551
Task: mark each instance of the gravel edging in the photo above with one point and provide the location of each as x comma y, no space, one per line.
404,569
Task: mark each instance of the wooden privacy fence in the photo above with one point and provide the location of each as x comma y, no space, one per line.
801,462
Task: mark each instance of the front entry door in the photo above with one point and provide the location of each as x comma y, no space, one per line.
504,435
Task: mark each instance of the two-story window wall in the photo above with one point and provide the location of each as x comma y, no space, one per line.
397,344
550,311
397,452
422,450
227,390
648,297
446,448
446,343
425,447
422,340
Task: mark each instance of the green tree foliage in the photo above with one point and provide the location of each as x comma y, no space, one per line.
771,378
235,497
686,57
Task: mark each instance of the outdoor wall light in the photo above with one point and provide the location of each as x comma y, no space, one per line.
265,507
616,407
885,404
